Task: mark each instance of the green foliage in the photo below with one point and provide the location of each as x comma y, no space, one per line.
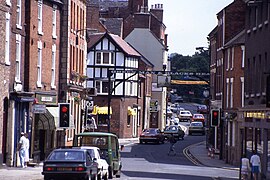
199,62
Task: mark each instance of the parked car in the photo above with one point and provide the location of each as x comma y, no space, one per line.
152,135
185,115
176,130
196,127
103,167
109,146
70,163
202,109
198,117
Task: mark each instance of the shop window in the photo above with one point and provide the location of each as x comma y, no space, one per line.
102,119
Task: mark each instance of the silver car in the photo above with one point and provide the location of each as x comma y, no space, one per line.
196,127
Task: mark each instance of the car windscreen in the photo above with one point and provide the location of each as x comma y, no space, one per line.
98,141
67,156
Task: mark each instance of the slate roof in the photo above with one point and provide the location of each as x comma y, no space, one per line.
114,25
238,39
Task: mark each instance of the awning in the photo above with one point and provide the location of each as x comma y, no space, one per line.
55,113
52,118
101,110
131,112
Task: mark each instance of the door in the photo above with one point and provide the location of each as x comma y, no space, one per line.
42,144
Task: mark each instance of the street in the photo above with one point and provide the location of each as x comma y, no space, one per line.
150,161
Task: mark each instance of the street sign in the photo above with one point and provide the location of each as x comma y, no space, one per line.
39,108
163,72
153,105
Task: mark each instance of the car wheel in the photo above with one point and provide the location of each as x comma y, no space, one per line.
190,133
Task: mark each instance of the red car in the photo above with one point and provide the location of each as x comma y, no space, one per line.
198,117
151,135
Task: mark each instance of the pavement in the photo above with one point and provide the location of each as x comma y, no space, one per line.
197,153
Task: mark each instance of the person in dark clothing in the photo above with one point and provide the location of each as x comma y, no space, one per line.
172,141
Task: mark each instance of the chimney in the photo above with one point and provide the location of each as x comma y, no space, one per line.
157,10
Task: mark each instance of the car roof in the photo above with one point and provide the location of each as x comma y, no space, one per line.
67,149
86,147
96,134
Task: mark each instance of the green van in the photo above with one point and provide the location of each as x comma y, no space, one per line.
108,144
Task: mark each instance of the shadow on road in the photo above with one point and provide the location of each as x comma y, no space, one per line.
151,175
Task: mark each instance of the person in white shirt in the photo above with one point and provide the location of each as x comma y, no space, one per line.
22,147
245,167
26,155
255,165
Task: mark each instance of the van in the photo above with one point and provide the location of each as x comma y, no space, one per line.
109,146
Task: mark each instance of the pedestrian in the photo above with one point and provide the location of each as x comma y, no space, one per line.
22,148
172,141
245,167
255,165
26,156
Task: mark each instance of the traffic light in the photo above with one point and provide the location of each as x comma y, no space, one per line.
215,117
64,114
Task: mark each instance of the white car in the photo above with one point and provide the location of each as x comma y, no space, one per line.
103,167
185,115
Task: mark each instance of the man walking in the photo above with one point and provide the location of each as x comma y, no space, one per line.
22,148
172,141
255,165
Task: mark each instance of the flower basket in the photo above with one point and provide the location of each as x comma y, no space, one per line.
83,78
77,99
74,75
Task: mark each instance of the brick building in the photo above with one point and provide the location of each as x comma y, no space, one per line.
73,64
42,59
223,38
255,113
5,24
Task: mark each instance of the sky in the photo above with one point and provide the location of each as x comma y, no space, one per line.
188,22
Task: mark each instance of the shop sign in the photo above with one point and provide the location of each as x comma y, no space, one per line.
39,108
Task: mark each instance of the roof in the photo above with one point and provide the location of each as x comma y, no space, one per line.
96,134
117,40
238,39
124,45
114,25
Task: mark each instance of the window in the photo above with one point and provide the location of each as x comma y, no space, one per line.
131,88
231,95
53,66
54,22
129,119
105,58
18,58
243,56
39,64
19,15
102,87
40,17
227,92
232,59
102,119
7,60
228,59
